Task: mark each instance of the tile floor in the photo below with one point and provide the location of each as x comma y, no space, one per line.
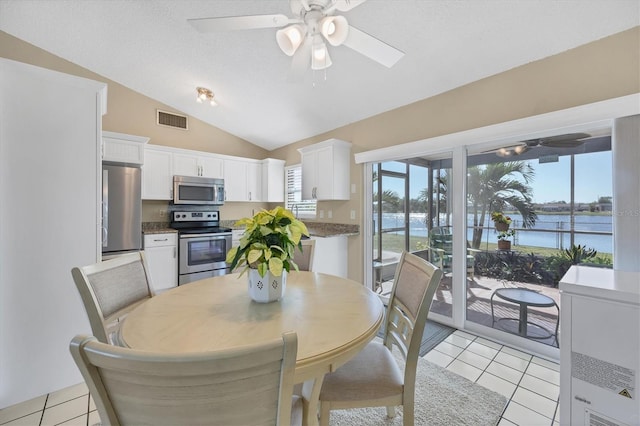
531,384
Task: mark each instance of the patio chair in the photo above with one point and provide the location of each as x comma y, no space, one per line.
440,250
111,289
373,378
250,385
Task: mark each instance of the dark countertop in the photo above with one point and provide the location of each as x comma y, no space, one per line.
316,229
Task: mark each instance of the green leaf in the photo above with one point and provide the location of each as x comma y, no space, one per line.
275,266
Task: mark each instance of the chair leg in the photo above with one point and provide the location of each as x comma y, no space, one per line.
325,412
407,414
391,412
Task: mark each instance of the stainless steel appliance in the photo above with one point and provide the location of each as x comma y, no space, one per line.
198,190
202,244
121,208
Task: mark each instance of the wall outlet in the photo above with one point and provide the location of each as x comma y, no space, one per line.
353,215
330,214
163,212
353,188
321,214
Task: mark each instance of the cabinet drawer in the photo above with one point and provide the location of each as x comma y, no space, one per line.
159,240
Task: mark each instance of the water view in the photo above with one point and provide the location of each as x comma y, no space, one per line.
547,232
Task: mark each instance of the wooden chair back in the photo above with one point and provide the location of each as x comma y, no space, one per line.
245,386
304,259
110,289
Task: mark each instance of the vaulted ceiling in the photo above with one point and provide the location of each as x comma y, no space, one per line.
150,47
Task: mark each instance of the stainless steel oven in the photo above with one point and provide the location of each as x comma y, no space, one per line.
202,245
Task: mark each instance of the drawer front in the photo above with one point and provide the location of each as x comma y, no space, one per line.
159,240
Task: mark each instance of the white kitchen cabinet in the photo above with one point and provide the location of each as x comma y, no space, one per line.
157,174
187,164
273,185
599,347
326,170
121,148
242,180
161,254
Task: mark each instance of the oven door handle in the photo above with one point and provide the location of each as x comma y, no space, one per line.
204,237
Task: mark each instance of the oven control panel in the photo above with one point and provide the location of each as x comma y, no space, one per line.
196,216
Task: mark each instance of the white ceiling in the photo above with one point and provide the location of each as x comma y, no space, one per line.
149,47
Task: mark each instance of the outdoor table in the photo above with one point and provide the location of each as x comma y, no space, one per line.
524,298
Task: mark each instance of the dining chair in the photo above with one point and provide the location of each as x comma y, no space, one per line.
304,258
249,385
110,289
373,378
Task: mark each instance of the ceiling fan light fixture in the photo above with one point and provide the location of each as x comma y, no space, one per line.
335,29
320,58
290,38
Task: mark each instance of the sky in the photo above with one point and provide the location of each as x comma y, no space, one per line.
552,181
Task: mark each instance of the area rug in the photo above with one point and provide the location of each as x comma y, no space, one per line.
442,398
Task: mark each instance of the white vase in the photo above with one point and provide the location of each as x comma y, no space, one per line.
268,288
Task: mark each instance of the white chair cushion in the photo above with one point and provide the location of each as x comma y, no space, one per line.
372,374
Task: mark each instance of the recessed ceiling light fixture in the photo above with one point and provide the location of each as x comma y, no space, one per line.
205,94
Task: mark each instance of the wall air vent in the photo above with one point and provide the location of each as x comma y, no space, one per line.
172,120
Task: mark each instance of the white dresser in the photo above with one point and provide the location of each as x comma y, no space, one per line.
600,347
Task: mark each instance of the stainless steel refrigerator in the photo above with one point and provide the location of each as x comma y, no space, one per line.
121,208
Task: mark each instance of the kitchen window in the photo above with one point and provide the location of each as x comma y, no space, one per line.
294,201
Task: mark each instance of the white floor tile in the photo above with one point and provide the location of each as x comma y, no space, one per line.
30,420
458,340
490,343
536,402
520,415
504,372
438,358
68,410
465,370
544,373
505,422
546,363
515,352
511,361
94,418
449,349
22,409
465,334
542,387
482,349
474,359
67,394
497,384
78,421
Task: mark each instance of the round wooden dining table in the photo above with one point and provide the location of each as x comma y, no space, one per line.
333,317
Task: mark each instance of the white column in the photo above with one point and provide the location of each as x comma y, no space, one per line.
626,193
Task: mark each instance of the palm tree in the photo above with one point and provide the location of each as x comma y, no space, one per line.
493,187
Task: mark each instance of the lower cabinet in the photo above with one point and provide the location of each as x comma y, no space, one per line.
330,256
161,253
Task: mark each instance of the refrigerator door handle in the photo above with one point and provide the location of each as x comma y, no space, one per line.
105,208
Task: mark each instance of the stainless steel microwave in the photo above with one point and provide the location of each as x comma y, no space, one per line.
198,190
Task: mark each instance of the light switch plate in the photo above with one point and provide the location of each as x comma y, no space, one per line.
353,215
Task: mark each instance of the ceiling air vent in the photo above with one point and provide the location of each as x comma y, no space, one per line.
172,120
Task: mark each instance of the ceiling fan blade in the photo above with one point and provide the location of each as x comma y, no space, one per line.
570,140
372,48
346,5
249,22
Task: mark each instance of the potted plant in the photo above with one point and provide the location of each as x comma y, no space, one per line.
500,221
503,239
266,251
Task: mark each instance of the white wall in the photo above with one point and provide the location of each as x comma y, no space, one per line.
626,193
49,155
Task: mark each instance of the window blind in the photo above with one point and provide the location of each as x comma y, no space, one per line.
294,201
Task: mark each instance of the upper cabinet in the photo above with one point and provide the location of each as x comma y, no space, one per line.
157,174
273,180
326,170
121,148
242,180
201,164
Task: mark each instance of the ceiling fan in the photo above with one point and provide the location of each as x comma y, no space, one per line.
569,140
303,36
